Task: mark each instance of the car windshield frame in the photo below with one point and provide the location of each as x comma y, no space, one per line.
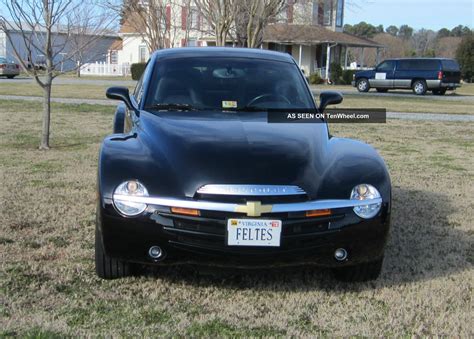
212,75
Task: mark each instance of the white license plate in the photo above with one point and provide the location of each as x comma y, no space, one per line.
253,232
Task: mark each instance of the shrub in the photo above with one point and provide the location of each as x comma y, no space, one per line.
137,70
465,57
347,76
315,79
335,73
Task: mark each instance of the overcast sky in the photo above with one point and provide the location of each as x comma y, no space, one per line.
432,14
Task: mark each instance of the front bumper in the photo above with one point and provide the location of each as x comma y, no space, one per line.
203,239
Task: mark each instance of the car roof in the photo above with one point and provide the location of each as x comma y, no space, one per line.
185,52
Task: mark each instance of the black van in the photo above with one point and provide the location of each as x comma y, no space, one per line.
419,74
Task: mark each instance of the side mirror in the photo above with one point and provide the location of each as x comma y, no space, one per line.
329,98
121,93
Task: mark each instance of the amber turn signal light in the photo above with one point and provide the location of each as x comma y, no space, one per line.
318,213
186,211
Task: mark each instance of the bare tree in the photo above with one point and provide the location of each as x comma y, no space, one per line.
90,21
150,19
45,27
253,16
220,14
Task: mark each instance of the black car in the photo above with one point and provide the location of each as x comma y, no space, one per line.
419,74
194,172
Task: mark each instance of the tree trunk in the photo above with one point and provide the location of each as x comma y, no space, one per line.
46,112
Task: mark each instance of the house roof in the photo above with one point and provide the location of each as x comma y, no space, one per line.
132,24
116,45
14,26
310,35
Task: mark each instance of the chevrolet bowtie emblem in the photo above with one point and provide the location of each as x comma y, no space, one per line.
253,208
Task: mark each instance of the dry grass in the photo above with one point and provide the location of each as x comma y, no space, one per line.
76,91
412,105
48,285
465,89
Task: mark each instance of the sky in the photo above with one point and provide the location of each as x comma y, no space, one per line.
430,14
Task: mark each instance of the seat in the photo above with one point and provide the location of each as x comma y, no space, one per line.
177,90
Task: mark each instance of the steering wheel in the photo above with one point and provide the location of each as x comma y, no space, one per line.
279,97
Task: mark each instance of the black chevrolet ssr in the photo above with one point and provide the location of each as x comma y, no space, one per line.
194,172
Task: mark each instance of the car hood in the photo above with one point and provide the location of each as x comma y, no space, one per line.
198,148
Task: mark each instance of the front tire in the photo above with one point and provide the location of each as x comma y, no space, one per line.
419,87
361,272
363,85
107,267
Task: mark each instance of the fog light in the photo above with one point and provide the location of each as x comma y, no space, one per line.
155,252
340,254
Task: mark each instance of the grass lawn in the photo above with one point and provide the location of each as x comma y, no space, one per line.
48,284
465,89
79,91
412,105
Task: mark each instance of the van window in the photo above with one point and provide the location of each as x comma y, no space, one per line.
418,65
386,66
450,65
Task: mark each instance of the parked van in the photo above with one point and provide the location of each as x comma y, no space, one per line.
420,74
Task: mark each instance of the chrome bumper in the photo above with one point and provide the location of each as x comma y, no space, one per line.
232,207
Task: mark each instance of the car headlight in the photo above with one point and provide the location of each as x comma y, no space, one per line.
366,192
130,188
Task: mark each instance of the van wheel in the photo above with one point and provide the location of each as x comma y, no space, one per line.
362,272
419,87
107,267
439,91
11,76
382,90
363,85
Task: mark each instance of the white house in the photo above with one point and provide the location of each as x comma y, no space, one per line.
311,31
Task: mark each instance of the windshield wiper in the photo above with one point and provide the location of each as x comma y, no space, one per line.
172,107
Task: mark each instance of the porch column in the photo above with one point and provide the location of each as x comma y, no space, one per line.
345,58
328,60
362,57
300,57
377,57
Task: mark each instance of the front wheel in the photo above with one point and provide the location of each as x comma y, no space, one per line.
362,272
107,267
363,85
419,87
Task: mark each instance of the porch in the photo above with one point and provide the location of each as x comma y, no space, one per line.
315,47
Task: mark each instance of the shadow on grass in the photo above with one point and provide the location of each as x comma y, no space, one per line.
423,245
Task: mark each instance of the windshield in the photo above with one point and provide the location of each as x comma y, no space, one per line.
220,83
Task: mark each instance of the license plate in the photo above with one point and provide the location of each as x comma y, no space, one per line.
253,232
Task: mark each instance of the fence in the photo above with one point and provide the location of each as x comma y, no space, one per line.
105,69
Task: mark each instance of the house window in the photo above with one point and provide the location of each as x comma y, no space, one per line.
195,24
142,53
327,13
339,13
113,57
